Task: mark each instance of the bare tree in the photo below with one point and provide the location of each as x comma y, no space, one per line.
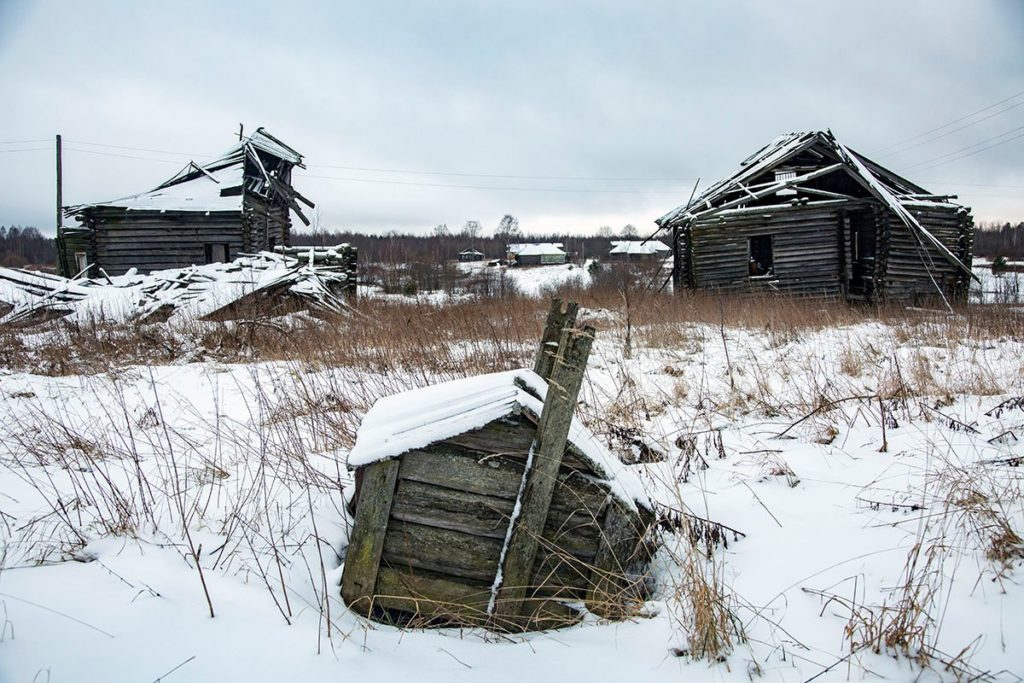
508,228
605,231
629,230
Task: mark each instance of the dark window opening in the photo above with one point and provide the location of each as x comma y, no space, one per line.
217,253
760,257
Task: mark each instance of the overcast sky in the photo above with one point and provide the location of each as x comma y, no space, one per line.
607,112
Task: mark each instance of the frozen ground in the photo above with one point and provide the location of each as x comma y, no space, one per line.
116,489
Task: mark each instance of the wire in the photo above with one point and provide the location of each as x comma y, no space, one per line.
23,142
951,123
26,149
966,149
122,156
137,149
494,175
955,130
486,187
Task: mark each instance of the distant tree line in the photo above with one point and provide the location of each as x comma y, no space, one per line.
443,243
999,239
26,246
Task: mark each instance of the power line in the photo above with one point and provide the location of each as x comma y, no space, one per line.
485,187
138,149
23,142
955,130
122,156
966,149
951,123
26,149
495,175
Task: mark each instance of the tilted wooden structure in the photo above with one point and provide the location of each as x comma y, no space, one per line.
209,213
807,215
484,502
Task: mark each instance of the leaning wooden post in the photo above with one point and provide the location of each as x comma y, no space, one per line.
557,322
541,473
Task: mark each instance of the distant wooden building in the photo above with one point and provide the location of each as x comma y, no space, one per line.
638,250
470,255
206,213
807,215
537,254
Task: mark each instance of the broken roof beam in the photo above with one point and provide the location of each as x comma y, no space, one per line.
771,189
872,184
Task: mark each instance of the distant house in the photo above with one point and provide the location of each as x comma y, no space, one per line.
468,255
807,215
208,213
638,250
536,254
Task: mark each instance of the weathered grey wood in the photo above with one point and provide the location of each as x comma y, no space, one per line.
506,436
368,530
541,474
557,321
457,469
417,546
446,508
433,596
619,539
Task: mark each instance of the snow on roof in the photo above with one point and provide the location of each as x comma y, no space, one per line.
471,251
200,193
214,186
887,187
638,247
517,248
414,419
540,249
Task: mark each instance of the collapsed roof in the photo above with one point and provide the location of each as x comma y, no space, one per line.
259,164
832,157
266,284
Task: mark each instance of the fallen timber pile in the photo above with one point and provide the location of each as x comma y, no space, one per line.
319,280
485,502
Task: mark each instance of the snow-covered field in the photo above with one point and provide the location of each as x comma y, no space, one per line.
136,502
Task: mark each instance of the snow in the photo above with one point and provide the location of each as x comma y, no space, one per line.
538,249
202,193
639,247
192,292
417,418
254,465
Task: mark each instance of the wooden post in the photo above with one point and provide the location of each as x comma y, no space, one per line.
377,491
539,479
351,272
556,323
62,256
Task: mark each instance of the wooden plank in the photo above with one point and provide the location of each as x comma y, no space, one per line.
364,549
432,596
609,580
447,508
412,546
540,478
458,469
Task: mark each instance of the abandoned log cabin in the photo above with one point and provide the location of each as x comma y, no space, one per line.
807,215
239,203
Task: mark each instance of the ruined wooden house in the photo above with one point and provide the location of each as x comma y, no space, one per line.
209,213
483,501
807,215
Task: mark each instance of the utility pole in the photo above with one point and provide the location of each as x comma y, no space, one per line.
240,131
62,265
